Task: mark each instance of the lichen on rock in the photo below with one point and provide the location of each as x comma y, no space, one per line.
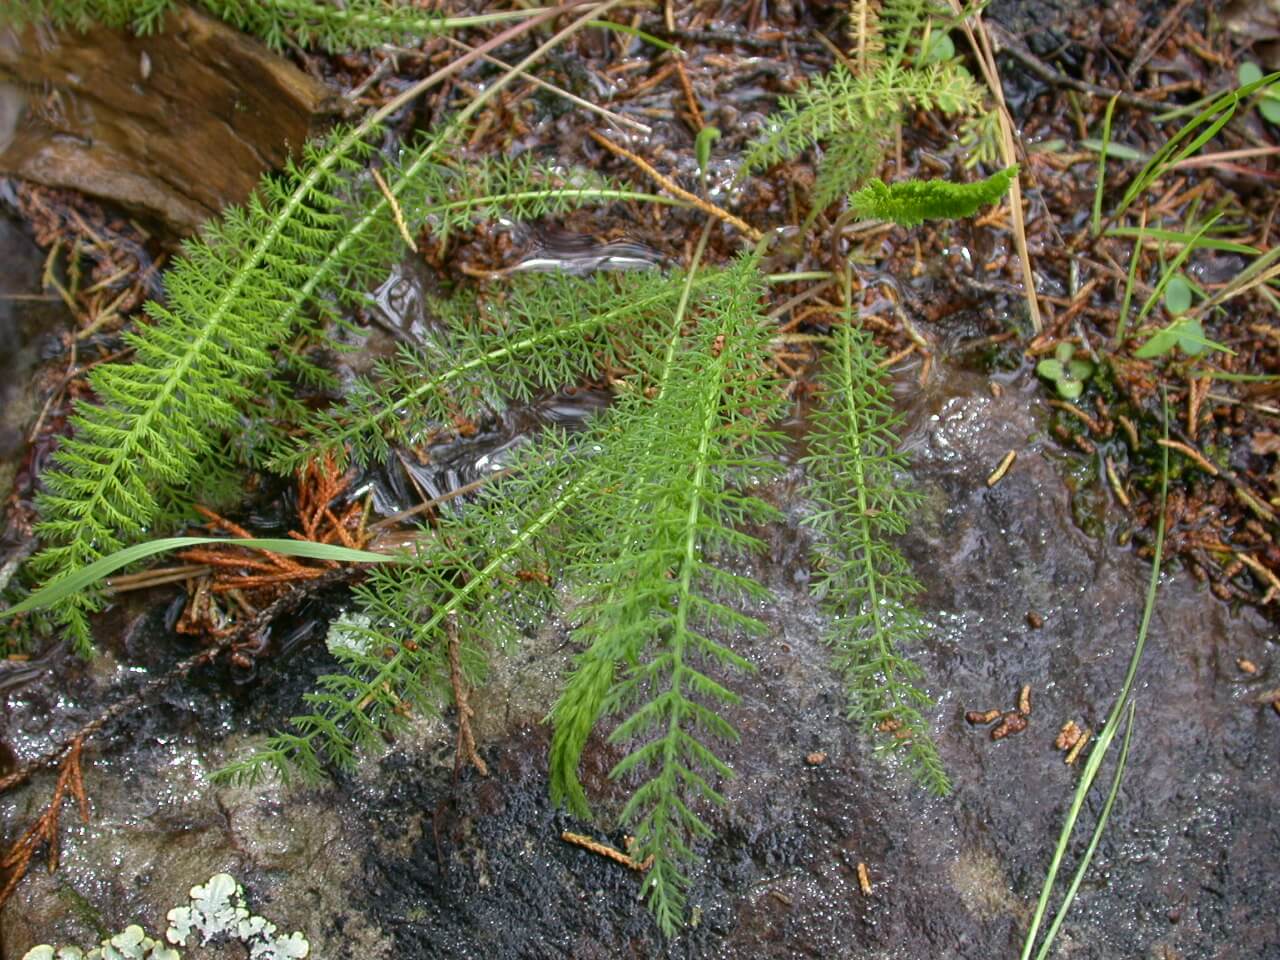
217,911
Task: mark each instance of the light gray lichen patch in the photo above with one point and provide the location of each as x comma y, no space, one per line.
217,911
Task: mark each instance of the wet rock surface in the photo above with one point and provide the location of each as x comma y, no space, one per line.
409,858
182,133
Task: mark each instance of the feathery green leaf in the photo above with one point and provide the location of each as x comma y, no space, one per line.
856,483
911,202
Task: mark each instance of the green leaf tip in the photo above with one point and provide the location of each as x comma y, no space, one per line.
911,202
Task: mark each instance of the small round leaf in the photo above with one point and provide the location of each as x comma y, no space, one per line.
1050,369
1248,73
1080,370
1177,295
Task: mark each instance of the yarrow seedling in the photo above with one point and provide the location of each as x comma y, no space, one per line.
1067,374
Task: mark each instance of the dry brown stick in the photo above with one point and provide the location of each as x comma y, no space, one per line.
609,115
1189,451
396,213
698,122
604,850
142,696
980,41
466,740
1157,37
667,184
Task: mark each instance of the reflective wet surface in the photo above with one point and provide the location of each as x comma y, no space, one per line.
406,859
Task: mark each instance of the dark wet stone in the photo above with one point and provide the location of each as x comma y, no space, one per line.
30,323
405,858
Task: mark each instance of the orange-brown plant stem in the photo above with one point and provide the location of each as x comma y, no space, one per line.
671,187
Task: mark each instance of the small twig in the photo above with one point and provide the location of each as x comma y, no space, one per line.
604,850
45,830
396,212
466,741
1190,451
980,40
426,505
864,879
671,187
157,577
609,115
1222,156
1012,45
1157,37
698,122
1074,753
1273,584
998,474
1116,486
1071,408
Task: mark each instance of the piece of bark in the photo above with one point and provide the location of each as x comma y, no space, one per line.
172,126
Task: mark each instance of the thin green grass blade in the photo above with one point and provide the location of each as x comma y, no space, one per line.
639,34
1112,725
1115,151
100,569
1187,141
1174,266
1103,817
1102,165
1263,270
1185,237
1127,301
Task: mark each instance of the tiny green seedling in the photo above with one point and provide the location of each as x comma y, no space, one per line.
1185,331
1269,100
1068,374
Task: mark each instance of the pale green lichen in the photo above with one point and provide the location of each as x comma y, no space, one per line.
132,943
217,911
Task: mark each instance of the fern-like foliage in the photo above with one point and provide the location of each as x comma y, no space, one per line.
458,195
658,620
445,196
856,477
852,113
545,333
332,26
157,418
253,278
911,202
839,101
465,580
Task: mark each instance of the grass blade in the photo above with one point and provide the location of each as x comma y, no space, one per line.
1112,726
101,569
1102,165
1103,817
